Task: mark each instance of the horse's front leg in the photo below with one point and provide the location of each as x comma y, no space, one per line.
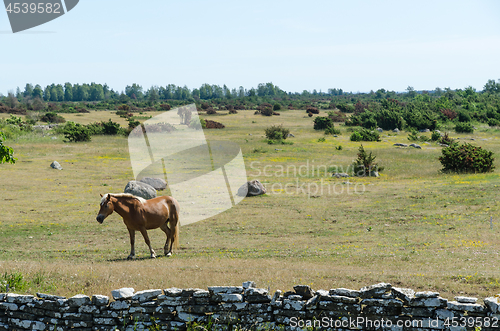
132,244
146,239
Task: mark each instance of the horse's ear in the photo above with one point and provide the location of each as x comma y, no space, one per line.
100,195
109,197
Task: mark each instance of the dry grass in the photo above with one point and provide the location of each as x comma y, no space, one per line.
412,227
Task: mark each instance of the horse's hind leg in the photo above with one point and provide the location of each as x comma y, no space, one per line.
168,232
146,239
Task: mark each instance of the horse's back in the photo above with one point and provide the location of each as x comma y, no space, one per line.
165,205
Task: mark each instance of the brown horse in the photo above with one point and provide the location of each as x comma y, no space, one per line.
141,215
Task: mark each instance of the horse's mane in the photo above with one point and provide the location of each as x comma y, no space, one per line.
121,195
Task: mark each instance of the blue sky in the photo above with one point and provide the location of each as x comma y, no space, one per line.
297,45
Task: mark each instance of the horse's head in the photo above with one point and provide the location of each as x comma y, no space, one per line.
107,208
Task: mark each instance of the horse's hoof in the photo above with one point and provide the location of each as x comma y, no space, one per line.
153,256
168,254
131,257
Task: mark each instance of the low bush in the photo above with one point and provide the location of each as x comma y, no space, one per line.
446,139
332,130
277,132
365,135
466,158
76,132
6,152
413,136
464,127
321,123
312,110
435,136
52,117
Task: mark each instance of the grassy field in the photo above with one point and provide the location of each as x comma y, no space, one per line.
412,227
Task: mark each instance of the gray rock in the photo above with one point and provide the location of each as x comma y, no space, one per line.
123,293
201,294
376,290
468,307
345,292
380,130
251,188
19,299
465,299
304,290
157,183
395,130
56,165
49,296
140,189
100,300
225,289
404,294
426,294
429,302
173,292
79,300
424,130
291,135
400,145
224,297
249,284
493,303
374,174
340,175
415,146
146,295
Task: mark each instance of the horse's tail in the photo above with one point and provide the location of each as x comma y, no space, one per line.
174,222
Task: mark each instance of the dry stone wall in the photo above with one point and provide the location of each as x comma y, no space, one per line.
376,307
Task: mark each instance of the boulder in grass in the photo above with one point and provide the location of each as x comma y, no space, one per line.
56,165
251,189
158,183
140,189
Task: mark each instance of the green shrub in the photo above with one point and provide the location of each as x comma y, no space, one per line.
463,116
466,158
365,164
110,127
276,107
6,152
435,136
277,132
413,136
332,130
76,132
356,136
51,117
365,135
464,127
493,122
446,139
321,123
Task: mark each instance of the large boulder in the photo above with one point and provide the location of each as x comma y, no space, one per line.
251,189
158,183
140,189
